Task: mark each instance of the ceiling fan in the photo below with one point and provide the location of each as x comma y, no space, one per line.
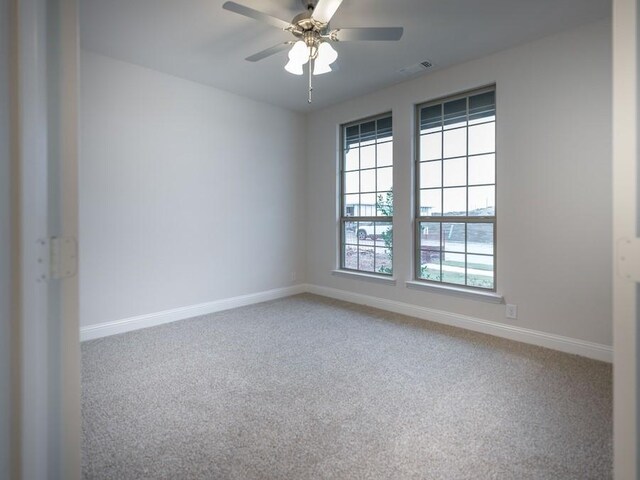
313,36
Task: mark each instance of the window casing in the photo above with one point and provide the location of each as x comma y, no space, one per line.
366,196
455,192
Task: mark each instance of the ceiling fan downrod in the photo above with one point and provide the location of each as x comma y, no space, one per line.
311,60
309,4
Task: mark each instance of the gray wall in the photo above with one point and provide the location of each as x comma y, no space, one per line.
188,194
554,183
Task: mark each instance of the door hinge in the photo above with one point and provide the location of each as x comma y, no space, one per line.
628,259
57,258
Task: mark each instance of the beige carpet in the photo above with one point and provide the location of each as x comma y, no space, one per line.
311,388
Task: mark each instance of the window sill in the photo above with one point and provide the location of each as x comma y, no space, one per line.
490,297
364,276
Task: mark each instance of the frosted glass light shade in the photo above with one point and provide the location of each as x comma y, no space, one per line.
326,54
294,67
299,53
320,68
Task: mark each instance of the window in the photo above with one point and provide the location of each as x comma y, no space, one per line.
366,193
456,190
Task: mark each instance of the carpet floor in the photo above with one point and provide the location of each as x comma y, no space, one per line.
311,388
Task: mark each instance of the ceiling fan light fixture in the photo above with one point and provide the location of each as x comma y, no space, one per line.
311,29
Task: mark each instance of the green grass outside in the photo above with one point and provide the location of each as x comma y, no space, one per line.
457,278
475,266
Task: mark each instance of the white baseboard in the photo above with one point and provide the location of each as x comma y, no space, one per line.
151,320
556,342
533,337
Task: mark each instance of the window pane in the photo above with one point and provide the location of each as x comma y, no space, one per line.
364,233
350,250
384,232
384,247
352,136
365,258
431,146
453,268
349,232
430,265
482,138
368,156
352,159
482,201
383,126
431,118
367,205
431,174
350,259
430,202
453,237
384,258
455,201
455,143
385,179
368,133
351,182
455,172
480,238
430,235
482,169
351,205
368,180
482,108
480,271
385,154
385,204
455,113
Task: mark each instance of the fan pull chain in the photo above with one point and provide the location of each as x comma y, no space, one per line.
310,74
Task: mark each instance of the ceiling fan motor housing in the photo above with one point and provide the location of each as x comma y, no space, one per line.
305,22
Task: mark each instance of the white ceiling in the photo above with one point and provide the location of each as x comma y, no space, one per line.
198,40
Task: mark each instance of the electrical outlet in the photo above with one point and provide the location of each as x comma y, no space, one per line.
293,276
512,311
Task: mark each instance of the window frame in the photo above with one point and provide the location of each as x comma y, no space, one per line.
342,218
442,219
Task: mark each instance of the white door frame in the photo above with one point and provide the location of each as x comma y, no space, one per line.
33,224
625,228
46,52
69,92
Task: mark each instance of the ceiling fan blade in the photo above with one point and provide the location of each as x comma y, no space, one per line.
369,33
268,52
325,9
256,15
